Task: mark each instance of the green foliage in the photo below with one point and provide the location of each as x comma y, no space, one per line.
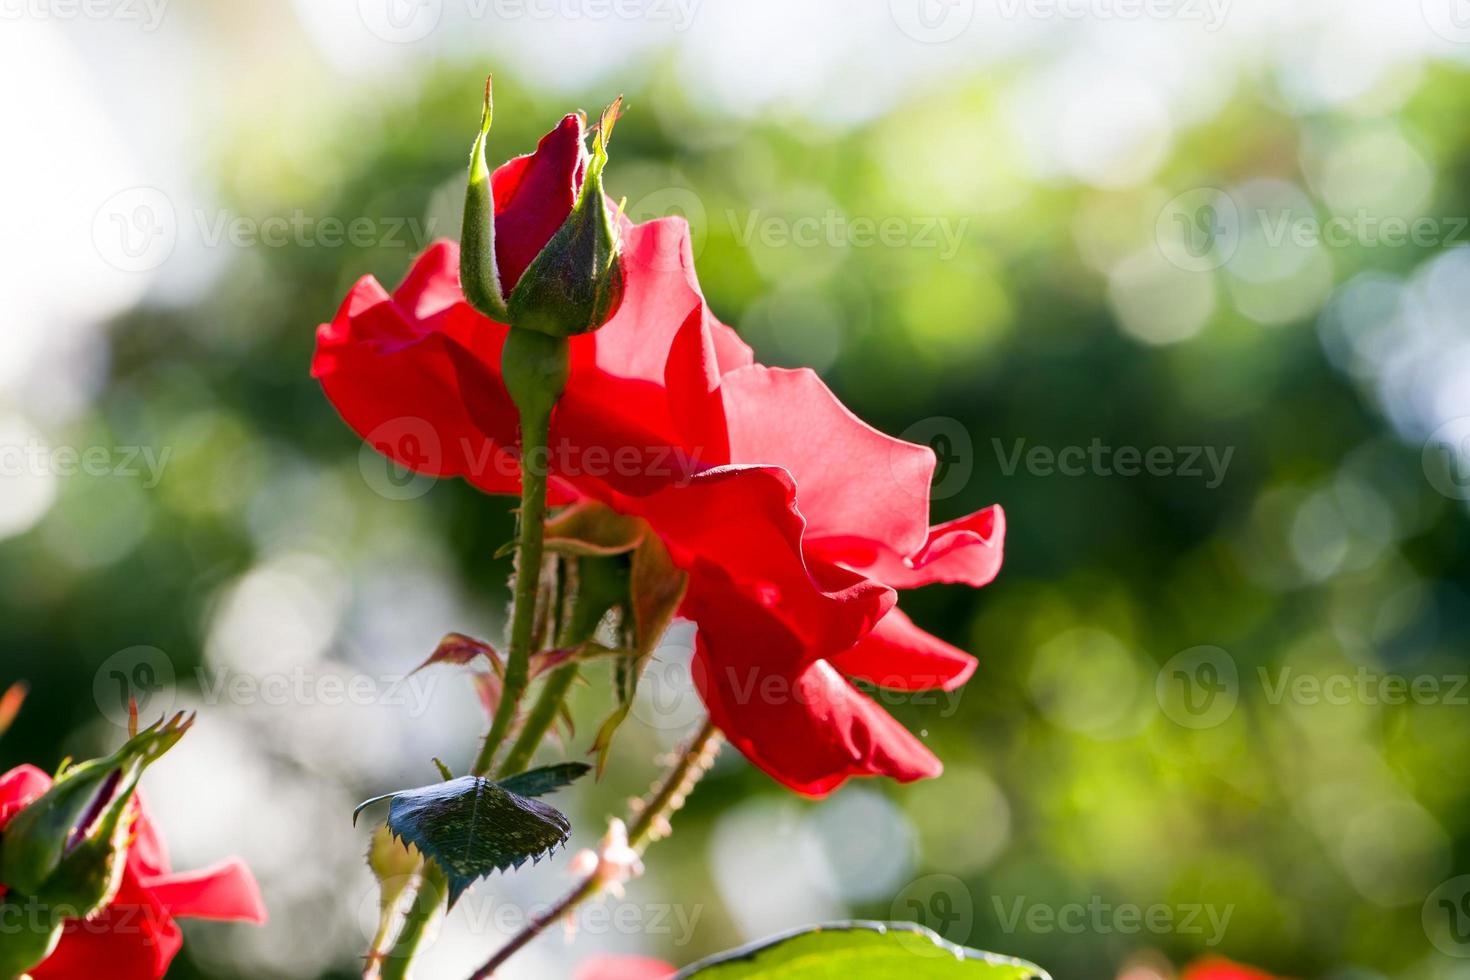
860,951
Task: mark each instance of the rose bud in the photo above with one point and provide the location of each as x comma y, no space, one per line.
67,848
539,248
576,282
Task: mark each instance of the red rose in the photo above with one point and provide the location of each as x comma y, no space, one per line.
1219,968
623,968
136,937
795,520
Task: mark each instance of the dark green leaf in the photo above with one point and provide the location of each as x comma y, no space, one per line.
546,779
861,951
472,826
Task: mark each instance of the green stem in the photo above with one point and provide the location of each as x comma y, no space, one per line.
539,721
534,432
667,797
428,900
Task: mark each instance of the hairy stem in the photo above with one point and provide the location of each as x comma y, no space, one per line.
674,788
648,825
534,431
543,715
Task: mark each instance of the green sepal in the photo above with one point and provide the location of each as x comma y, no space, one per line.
479,275
28,943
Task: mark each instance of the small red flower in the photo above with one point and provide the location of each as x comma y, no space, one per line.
796,521
136,937
623,968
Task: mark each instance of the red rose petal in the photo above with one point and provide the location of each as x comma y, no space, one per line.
899,656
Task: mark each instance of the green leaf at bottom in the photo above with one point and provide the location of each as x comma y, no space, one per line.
860,951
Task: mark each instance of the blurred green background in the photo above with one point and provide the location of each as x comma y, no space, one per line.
1236,252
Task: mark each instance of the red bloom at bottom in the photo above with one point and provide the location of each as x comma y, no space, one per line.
136,937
